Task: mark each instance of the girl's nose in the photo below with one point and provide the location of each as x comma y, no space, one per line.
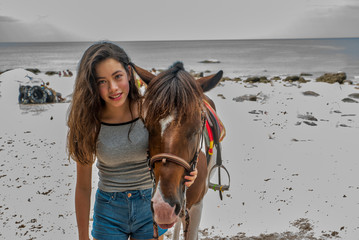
113,86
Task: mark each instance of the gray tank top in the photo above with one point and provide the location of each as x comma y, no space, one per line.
122,163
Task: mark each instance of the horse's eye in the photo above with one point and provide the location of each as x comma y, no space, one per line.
193,133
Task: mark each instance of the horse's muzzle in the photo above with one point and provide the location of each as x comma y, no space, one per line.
165,211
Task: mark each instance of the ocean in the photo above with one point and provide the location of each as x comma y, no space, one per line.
238,58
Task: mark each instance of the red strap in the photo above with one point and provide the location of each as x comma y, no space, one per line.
222,129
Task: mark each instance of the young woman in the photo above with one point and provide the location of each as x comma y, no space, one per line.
104,123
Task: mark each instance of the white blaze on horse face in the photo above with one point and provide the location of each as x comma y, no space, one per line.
163,212
165,122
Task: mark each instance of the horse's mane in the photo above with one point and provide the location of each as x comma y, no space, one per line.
172,90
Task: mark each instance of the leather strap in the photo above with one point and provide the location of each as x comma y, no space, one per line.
171,158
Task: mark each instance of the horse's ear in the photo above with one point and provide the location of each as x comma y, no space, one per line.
145,75
209,82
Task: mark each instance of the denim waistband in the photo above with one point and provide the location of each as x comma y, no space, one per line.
132,194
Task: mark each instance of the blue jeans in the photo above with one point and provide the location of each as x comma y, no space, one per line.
119,215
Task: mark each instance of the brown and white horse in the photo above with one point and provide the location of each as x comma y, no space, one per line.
174,114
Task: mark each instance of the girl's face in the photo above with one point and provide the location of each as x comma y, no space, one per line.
113,82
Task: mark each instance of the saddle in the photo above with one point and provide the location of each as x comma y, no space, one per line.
215,129
213,135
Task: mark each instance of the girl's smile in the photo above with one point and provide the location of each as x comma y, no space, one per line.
116,97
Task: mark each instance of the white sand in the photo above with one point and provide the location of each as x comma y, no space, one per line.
280,171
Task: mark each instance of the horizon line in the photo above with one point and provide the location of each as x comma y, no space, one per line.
183,40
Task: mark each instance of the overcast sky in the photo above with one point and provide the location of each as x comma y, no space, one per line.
117,20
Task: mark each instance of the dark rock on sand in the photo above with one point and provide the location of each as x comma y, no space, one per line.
295,79
310,93
33,70
196,74
210,61
262,79
349,100
332,78
226,79
350,82
246,98
354,95
310,123
236,79
256,112
276,78
51,73
307,117
221,96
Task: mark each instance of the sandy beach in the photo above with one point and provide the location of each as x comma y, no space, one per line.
293,161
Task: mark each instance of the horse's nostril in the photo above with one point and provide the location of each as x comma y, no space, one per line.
178,208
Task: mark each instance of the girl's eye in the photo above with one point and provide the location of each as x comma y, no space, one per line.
101,82
118,76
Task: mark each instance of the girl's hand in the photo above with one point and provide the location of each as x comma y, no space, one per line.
190,178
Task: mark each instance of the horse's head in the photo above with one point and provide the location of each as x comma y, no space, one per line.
174,116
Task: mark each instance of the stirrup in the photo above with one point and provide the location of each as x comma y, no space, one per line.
219,186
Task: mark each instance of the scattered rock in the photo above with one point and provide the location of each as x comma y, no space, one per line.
256,112
51,73
44,193
236,79
196,74
250,97
33,70
332,78
262,79
295,79
354,95
349,100
221,96
310,93
303,225
21,226
349,82
247,97
210,61
226,79
310,123
299,140
307,117
276,78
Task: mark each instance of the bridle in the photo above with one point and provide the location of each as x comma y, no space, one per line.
189,167
168,157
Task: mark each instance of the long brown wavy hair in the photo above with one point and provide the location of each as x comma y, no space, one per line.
85,109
